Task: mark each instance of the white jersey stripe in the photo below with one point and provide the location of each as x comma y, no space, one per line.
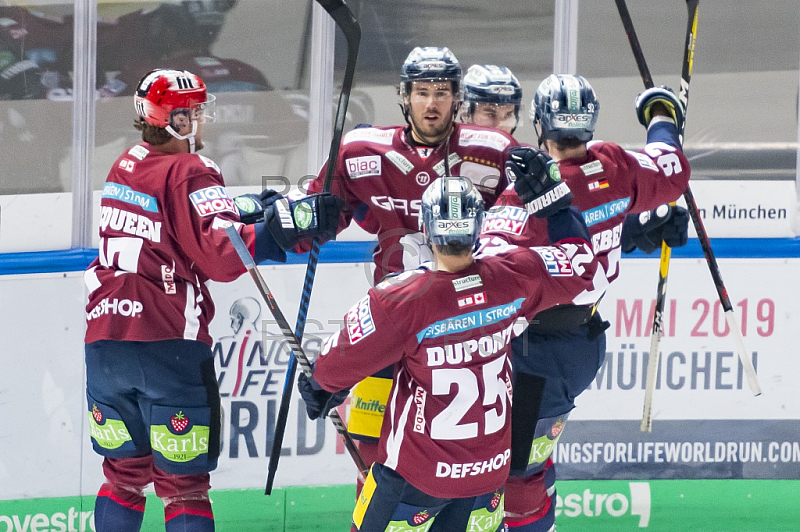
191,313
395,439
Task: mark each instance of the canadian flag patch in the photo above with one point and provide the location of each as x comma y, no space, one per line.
472,300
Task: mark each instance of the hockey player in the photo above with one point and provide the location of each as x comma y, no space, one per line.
154,406
381,173
564,346
445,328
492,98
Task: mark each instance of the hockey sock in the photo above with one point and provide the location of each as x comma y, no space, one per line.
186,503
118,509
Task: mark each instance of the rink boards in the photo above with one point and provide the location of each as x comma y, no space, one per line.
713,443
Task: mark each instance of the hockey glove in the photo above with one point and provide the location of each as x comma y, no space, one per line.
537,181
318,401
659,95
251,207
646,231
312,216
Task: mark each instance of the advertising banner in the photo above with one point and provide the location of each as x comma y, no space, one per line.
706,423
745,209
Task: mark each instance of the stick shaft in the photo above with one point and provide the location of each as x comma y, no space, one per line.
289,335
349,26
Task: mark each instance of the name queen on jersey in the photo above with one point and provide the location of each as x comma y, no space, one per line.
378,169
159,220
454,441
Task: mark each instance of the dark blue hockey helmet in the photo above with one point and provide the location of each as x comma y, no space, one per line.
452,212
565,106
491,85
431,64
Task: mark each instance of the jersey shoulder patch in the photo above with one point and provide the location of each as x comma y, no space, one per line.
212,200
359,322
370,135
485,138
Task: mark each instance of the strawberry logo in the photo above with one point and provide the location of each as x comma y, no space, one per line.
495,502
556,429
179,422
97,414
420,517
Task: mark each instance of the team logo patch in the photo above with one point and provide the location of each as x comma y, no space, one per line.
303,215
369,165
212,200
472,300
359,321
594,167
509,220
556,261
465,283
598,184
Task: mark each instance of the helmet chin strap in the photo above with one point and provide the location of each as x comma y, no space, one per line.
188,136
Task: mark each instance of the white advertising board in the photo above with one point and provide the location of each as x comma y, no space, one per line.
703,398
745,209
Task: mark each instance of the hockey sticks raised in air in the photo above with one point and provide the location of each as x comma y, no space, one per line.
655,338
349,26
291,338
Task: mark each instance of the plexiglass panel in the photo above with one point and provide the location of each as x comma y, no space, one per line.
251,55
742,116
35,97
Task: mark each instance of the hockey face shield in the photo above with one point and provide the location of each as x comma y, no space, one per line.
202,112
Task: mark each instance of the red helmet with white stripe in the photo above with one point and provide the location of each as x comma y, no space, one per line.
163,93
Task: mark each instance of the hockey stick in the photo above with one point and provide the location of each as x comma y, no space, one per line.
349,26
653,362
291,337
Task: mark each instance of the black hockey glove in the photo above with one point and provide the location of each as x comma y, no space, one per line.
646,231
537,181
251,207
318,401
290,221
659,95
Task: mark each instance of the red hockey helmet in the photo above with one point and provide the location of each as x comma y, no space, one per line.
162,92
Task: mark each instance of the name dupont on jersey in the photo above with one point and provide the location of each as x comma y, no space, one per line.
552,195
124,307
472,468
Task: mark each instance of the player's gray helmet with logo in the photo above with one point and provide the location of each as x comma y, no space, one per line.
452,212
565,106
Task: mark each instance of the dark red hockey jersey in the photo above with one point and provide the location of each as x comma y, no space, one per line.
446,427
607,184
378,169
161,241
